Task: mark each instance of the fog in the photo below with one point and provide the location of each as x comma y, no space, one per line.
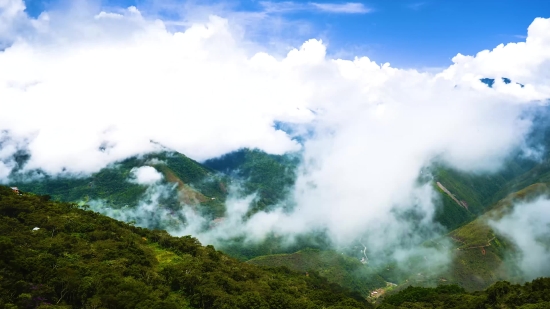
527,225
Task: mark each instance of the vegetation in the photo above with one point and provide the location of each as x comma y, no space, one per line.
478,191
338,268
533,295
270,176
56,255
196,184
449,213
478,253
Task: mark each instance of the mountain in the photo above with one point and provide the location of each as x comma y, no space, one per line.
251,171
480,253
270,176
193,183
344,270
479,256
56,255
475,193
467,201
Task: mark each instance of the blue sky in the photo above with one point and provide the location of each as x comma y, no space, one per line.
406,33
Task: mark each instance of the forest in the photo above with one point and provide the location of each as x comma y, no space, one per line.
58,255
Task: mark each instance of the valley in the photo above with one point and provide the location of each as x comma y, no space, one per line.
479,256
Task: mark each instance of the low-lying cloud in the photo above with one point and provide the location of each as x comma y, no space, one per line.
145,175
528,227
80,89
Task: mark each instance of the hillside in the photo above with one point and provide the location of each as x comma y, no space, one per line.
338,268
56,255
270,176
195,183
479,252
252,171
532,295
477,192
478,257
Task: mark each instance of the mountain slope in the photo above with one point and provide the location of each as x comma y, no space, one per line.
196,184
270,176
338,268
477,192
479,253
55,255
532,295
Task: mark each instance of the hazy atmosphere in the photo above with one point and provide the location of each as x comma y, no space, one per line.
376,153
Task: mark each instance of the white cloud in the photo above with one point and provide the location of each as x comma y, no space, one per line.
11,17
528,226
290,6
281,7
145,175
523,62
85,89
346,8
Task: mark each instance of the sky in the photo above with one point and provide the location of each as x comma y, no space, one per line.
420,34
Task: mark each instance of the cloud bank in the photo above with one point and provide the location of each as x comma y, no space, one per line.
80,89
528,226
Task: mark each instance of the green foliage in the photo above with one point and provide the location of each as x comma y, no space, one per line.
449,214
338,268
81,259
535,294
479,191
111,184
269,175
476,190
478,253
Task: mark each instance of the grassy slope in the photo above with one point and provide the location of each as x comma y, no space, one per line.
478,191
337,268
449,213
477,256
478,253
81,259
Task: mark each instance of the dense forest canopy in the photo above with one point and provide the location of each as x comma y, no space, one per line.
57,255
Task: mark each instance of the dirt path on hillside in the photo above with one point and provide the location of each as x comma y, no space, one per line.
482,247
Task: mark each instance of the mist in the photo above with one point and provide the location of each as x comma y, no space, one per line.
527,225
100,86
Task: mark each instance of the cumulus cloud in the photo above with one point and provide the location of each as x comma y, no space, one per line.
528,226
82,89
11,14
145,175
523,62
348,8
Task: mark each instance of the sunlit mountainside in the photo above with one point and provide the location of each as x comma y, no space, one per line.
479,255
